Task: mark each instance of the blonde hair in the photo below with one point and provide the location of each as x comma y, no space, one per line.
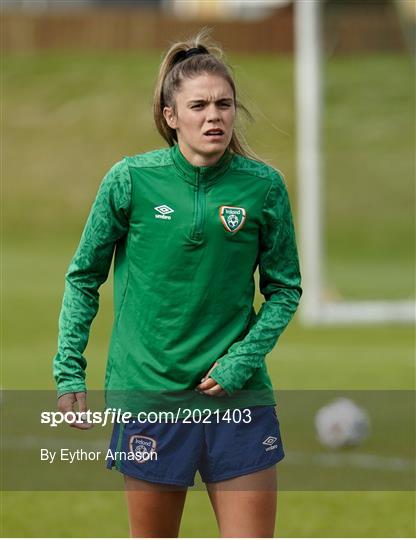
176,67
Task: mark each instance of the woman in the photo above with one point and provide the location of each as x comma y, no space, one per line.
189,224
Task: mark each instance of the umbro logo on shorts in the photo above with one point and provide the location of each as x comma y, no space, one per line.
269,442
163,210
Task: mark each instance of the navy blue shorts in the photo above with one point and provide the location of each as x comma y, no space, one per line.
220,448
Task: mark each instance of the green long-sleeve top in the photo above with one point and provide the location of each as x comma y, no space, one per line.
186,242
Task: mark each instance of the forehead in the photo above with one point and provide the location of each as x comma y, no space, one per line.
205,87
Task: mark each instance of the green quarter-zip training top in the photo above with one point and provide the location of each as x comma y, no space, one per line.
186,242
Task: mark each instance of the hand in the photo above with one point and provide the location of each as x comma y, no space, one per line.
209,386
66,404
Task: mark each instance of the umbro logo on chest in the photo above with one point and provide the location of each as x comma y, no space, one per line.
164,211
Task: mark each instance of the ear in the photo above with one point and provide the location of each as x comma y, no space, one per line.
170,117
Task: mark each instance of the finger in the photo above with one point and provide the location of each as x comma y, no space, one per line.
208,372
81,398
81,422
215,390
82,425
83,409
208,383
66,403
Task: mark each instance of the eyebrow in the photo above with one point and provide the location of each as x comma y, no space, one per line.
205,101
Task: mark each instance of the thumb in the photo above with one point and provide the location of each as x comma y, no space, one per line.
81,398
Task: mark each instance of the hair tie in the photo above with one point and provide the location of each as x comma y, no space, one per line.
183,55
194,51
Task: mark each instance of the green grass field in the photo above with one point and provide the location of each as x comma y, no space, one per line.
68,117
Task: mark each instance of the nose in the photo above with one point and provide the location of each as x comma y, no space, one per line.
213,114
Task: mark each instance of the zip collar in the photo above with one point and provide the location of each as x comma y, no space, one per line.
205,175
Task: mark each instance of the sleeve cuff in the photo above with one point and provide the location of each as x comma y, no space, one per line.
222,380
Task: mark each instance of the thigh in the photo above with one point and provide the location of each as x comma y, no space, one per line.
246,506
155,510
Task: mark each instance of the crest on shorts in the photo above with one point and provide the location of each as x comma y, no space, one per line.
232,217
141,447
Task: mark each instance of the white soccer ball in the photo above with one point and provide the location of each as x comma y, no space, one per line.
342,423
232,221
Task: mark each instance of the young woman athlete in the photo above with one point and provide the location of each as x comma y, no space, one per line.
188,225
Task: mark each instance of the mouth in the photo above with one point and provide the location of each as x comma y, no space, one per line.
214,133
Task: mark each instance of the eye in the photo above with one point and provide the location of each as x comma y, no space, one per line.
197,106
